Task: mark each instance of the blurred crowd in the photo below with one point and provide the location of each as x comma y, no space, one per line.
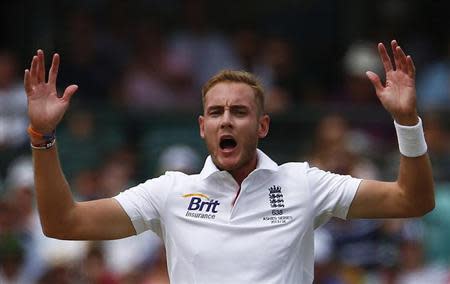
140,68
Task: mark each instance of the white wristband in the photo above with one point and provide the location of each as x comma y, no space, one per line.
411,139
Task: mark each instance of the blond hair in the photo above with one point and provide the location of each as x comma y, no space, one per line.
237,77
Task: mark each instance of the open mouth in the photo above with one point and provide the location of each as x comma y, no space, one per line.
227,143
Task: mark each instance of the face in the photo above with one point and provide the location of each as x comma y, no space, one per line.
231,126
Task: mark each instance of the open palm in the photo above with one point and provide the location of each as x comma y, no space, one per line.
45,108
398,96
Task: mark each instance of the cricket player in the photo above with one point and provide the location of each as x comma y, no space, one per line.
243,218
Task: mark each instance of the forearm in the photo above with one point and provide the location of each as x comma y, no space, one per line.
415,178
54,199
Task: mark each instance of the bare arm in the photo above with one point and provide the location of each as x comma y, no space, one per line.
60,215
412,194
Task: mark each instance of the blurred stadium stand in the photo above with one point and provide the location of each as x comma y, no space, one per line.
140,66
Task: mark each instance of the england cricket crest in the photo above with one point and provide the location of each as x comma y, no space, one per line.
276,200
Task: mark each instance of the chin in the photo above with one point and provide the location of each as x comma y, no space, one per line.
227,165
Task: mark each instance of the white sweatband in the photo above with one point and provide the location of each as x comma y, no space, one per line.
411,139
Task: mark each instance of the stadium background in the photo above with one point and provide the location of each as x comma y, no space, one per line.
140,67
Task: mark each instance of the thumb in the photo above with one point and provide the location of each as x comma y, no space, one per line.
69,91
376,82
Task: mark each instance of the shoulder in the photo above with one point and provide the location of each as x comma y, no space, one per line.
170,178
176,176
161,187
311,174
293,167
293,171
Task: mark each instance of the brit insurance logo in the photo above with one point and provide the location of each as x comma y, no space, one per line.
201,206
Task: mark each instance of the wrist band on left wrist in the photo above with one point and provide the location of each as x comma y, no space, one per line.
411,139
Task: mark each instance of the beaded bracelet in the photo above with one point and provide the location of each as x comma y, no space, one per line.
49,139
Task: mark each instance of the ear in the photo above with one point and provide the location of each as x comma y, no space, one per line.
263,128
201,123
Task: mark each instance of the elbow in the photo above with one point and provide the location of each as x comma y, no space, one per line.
424,207
417,201
430,202
60,235
429,206
55,232
51,233
58,226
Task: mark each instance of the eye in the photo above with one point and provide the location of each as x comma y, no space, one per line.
240,111
214,112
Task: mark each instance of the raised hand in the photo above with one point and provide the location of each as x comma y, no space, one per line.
45,108
398,96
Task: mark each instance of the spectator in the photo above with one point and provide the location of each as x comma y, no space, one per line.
178,158
338,149
433,91
359,58
94,69
122,256
438,139
203,50
94,268
13,109
144,85
412,265
12,261
437,227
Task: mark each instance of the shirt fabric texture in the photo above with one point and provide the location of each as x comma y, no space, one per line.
267,236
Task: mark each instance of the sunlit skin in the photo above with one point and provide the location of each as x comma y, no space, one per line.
230,111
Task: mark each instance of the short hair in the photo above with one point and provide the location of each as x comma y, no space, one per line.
235,76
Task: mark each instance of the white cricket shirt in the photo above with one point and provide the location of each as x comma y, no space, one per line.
267,236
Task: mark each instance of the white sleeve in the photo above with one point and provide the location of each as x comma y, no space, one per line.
144,203
332,194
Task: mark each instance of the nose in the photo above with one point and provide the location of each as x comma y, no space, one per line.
226,119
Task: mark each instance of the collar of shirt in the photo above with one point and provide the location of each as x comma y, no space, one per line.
264,163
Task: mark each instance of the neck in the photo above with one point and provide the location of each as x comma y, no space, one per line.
240,174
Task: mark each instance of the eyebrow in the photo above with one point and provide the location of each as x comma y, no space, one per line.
232,107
